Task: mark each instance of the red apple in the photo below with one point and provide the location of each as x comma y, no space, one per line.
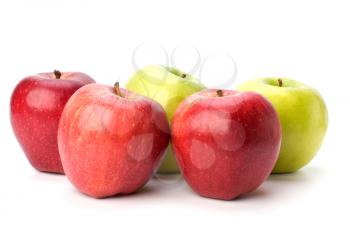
226,142
111,140
36,106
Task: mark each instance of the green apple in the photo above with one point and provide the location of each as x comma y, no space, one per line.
169,87
303,115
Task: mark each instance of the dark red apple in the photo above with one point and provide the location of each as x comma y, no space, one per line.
36,106
226,142
111,140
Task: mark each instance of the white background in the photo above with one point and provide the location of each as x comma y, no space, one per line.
304,40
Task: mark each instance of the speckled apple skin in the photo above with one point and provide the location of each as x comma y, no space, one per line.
35,109
110,144
226,146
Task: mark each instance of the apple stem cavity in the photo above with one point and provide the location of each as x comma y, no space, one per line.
57,74
280,83
219,93
183,76
117,89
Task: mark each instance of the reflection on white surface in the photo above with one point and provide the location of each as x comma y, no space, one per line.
170,189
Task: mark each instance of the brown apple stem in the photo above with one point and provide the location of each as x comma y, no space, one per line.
219,93
57,74
183,76
280,83
117,89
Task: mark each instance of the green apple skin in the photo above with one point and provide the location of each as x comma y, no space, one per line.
303,115
169,87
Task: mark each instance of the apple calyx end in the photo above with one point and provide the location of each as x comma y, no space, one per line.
219,93
183,75
280,82
57,74
117,89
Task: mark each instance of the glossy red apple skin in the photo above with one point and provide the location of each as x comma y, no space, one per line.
111,144
35,109
226,146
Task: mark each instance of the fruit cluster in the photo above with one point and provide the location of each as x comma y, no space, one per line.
108,140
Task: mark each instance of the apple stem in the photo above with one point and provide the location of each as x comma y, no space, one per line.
57,74
183,76
280,83
117,89
219,93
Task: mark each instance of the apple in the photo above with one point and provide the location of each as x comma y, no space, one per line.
111,140
169,87
303,115
226,142
36,106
